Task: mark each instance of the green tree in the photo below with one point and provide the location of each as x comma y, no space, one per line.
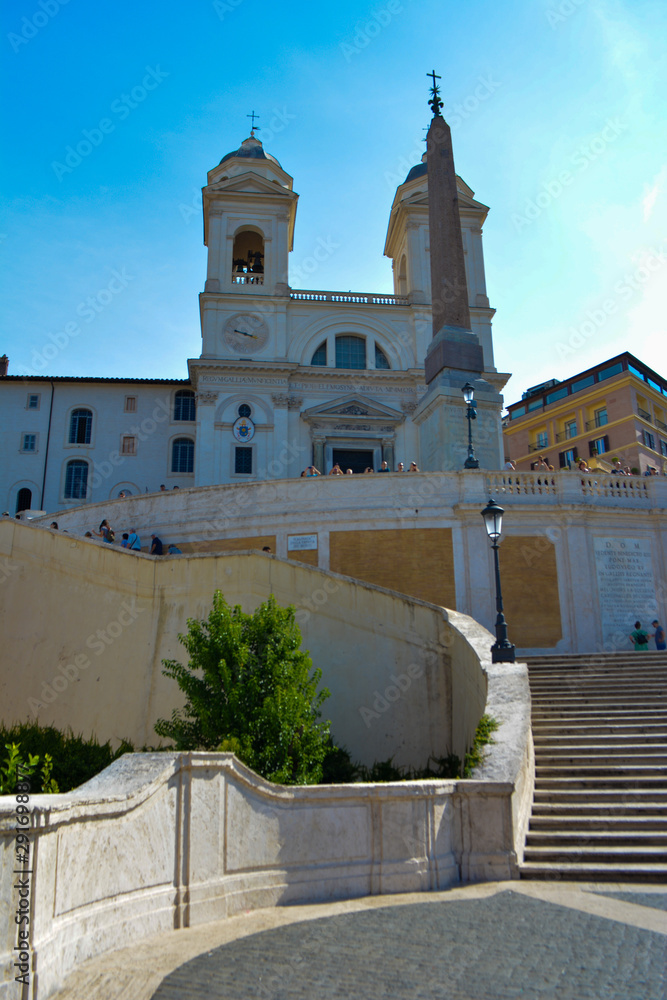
249,689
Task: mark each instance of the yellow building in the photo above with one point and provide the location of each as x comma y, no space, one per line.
616,410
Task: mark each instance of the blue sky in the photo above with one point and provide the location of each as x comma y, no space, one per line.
558,120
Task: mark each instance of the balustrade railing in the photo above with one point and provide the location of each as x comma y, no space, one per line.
573,487
354,298
247,278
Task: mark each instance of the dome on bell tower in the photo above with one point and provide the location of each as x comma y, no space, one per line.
250,148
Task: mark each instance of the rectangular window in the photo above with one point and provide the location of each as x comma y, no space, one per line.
29,442
654,385
557,394
536,404
243,461
649,440
663,447
567,458
128,445
130,404
635,371
583,383
542,440
599,447
600,417
571,428
33,401
609,372
519,412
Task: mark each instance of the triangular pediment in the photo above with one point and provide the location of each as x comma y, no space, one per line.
353,407
248,183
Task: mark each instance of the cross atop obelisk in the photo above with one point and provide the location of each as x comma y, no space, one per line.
456,346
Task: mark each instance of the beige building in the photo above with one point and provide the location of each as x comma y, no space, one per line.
616,410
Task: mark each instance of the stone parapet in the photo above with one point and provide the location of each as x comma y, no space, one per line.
158,842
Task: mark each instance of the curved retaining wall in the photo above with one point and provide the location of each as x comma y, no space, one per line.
85,628
162,841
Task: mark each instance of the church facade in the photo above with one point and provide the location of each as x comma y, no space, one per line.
286,378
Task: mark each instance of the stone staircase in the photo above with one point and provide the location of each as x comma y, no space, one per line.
600,730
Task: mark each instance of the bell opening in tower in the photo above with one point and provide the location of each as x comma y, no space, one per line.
248,258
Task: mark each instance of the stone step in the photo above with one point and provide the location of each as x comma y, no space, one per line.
559,718
601,696
593,684
649,702
599,757
592,871
600,801
591,768
606,745
609,839
607,734
598,855
622,796
610,782
604,659
558,821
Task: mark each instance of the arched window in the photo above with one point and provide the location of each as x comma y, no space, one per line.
183,455
381,360
248,258
80,426
184,405
320,355
76,480
23,500
350,352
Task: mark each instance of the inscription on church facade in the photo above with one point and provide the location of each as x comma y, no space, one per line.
626,586
299,543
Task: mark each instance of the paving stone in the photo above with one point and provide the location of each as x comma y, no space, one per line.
657,900
501,948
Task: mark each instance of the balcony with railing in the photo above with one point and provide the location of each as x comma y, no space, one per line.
567,434
644,414
348,298
592,425
540,445
246,278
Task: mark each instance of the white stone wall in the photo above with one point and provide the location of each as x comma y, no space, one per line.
110,471
569,511
163,841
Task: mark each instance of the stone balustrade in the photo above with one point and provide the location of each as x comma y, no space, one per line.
349,298
163,841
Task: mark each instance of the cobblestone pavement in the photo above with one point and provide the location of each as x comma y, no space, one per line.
494,941
504,947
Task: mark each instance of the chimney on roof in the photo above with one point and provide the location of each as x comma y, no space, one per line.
4,364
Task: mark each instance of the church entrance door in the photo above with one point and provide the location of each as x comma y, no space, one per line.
350,458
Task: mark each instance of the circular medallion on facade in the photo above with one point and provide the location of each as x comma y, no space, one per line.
245,333
244,429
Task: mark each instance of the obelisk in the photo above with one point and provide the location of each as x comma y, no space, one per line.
454,344
455,356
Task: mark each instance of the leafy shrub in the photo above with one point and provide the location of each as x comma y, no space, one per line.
73,759
250,690
485,727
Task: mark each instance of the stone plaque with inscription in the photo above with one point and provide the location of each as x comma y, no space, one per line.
626,587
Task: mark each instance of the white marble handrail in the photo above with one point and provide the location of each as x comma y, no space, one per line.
578,487
355,298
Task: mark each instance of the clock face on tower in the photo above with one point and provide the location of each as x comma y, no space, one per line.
245,333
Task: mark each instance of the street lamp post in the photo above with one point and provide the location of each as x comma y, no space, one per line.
502,650
471,413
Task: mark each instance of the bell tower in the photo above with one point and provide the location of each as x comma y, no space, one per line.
249,214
